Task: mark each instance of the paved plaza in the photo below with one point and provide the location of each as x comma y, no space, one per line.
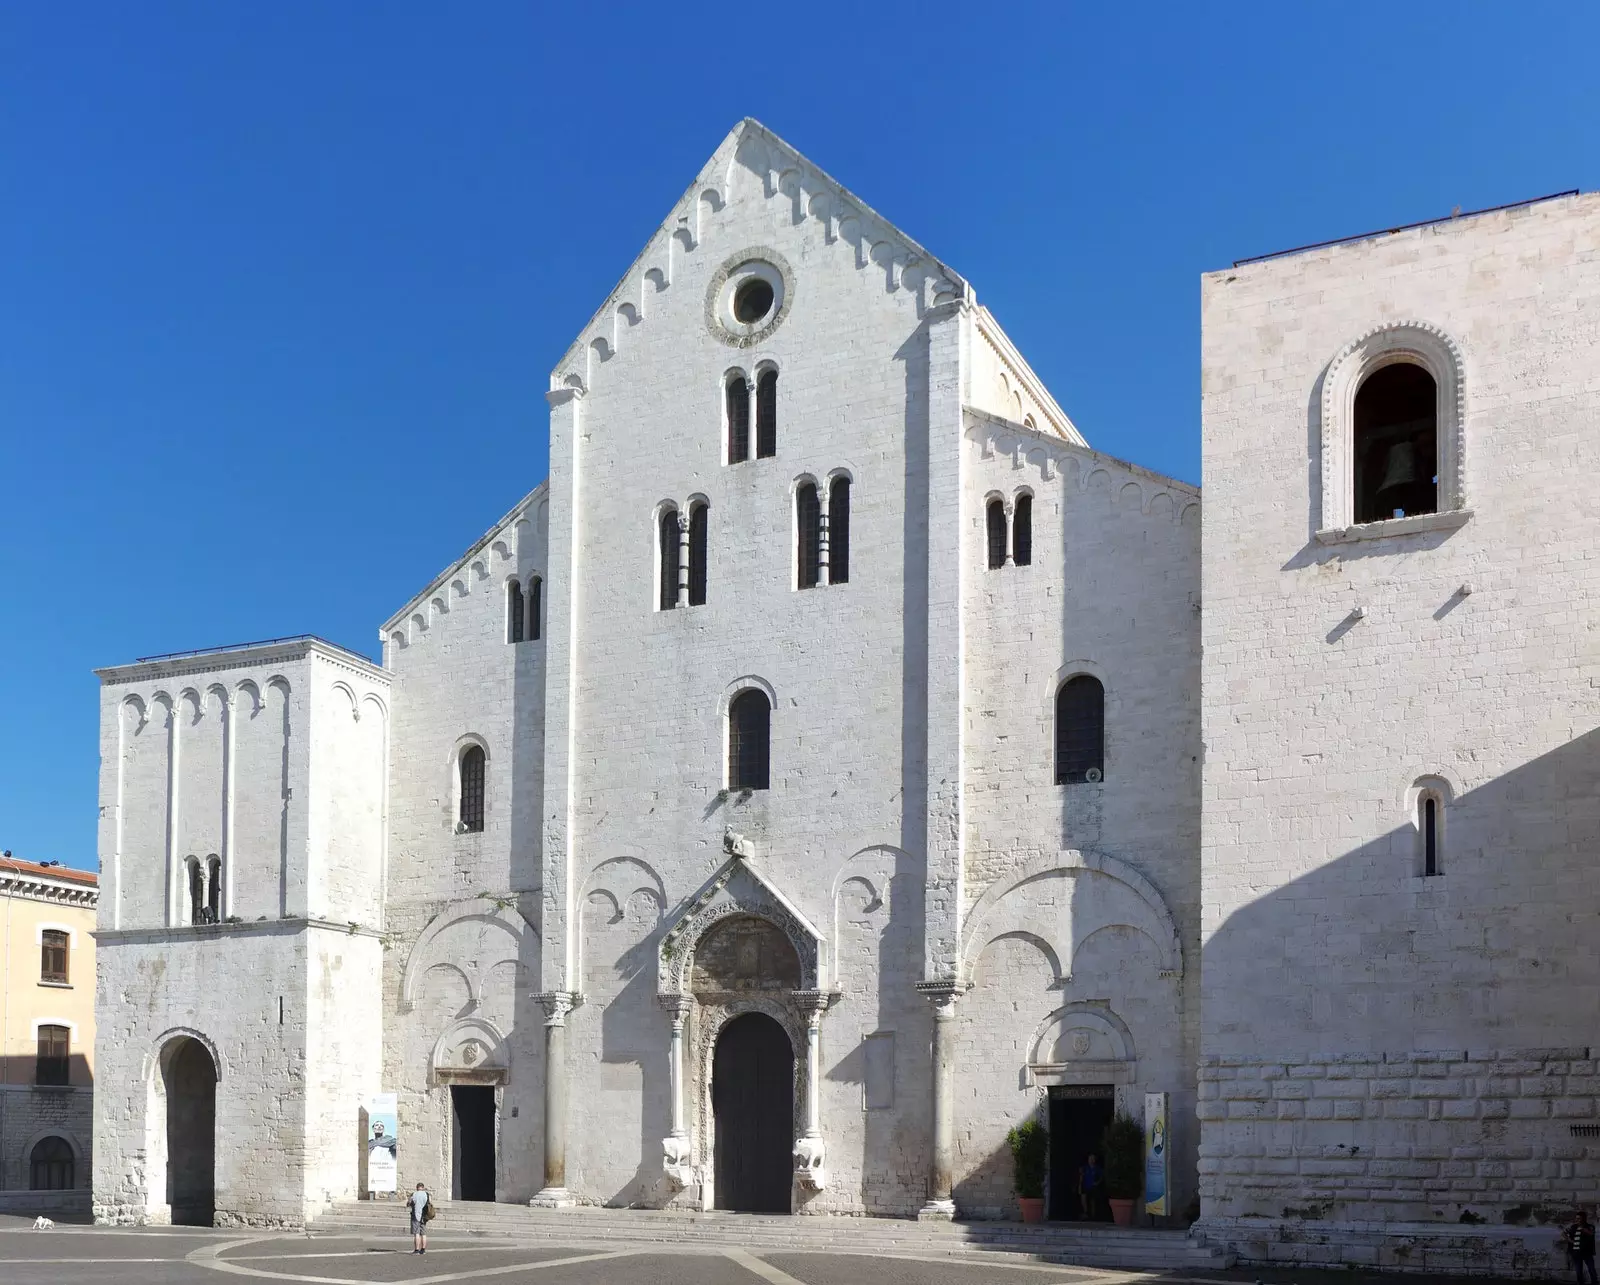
70,1255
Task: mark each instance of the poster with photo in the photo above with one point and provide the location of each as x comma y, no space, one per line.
383,1136
1155,1153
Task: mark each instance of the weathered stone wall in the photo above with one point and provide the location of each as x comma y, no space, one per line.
29,1114
1344,669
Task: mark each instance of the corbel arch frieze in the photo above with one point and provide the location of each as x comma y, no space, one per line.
978,926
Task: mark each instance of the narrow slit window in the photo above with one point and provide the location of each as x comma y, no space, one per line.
1080,730
808,526
749,741
996,519
767,415
839,531
53,1060
668,555
514,610
535,607
1022,531
53,956
473,762
197,892
1430,835
737,397
1396,451
214,890
699,522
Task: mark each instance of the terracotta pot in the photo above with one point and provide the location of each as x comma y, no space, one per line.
1121,1212
1032,1208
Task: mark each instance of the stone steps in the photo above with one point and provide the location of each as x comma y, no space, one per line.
1097,1246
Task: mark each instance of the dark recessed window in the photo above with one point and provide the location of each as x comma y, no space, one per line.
767,415
214,890
1022,531
1430,835
995,517
54,1047
514,610
667,586
1080,730
749,740
808,525
51,1166
737,399
1396,444
839,531
535,606
473,763
53,956
197,892
752,301
699,520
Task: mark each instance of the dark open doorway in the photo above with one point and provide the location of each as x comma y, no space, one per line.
190,1079
752,1096
1079,1114
472,1142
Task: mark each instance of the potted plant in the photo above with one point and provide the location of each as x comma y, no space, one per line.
1123,1145
1030,1158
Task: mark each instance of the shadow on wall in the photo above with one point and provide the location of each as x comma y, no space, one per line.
1367,957
24,1069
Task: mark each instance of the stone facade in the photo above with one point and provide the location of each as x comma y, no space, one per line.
1381,1045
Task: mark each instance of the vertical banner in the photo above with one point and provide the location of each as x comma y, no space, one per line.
383,1131
1155,1153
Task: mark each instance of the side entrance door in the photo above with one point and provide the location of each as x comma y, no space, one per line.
1079,1114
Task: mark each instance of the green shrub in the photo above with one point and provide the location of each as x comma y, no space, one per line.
1123,1145
1030,1158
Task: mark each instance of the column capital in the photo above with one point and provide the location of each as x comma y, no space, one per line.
679,1006
943,994
815,1002
557,1004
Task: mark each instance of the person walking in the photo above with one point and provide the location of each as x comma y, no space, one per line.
420,1206
1580,1246
1092,1188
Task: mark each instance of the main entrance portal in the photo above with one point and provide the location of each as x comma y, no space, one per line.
472,1141
752,1097
1079,1114
190,1080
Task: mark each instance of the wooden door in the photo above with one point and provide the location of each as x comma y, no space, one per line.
752,1097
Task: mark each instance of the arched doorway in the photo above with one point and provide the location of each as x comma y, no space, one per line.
190,1079
752,1097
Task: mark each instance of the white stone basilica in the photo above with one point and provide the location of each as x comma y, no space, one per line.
819,773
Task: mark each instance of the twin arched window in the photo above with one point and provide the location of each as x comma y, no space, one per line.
474,764
682,550
205,889
1080,730
749,740
1021,531
738,393
524,611
822,535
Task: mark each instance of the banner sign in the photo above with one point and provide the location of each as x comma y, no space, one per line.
383,1131
1155,1153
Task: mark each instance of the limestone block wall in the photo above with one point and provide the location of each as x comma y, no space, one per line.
1345,672
1082,900
27,1115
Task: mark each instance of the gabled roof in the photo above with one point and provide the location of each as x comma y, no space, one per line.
874,238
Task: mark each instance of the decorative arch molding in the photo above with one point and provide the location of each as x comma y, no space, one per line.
482,910
741,684
738,888
1420,343
159,1045
1070,861
1092,1019
619,879
1441,781
80,1157
472,1050
1057,974
872,868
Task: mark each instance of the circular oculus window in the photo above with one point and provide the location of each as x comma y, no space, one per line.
748,297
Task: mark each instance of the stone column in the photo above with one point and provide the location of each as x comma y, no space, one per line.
810,1154
823,573
554,1195
683,559
676,1148
942,995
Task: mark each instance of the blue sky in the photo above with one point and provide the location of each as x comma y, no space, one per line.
282,284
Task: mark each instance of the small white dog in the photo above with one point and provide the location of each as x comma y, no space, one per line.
41,1223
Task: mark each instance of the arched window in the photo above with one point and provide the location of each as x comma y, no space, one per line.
996,518
1022,531
1430,835
699,521
736,396
197,891
535,607
749,740
473,761
214,890
51,1166
667,557
514,610
53,947
1432,798
1080,730
839,531
1395,422
767,414
55,1047
808,527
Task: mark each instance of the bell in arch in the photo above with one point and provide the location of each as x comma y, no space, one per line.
1400,469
